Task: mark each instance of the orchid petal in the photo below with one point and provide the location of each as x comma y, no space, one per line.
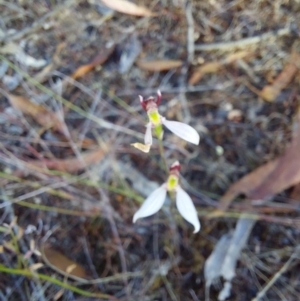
182,130
186,208
152,204
142,147
148,134
158,98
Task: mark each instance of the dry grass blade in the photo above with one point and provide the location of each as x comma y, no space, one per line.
100,59
128,8
157,65
70,165
213,67
242,43
39,113
284,269
237,56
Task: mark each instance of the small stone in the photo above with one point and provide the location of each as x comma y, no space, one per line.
11,82
15,130
235,115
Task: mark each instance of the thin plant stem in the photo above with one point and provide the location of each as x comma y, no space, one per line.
28,273
162,155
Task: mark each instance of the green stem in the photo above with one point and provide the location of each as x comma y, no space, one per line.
28,273
159,134
162,155
74,179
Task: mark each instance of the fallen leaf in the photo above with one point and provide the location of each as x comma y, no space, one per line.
295,194
270,92
98,60
157,65
270,178
286,172
63,264
126,7
72,164
39,113
246,184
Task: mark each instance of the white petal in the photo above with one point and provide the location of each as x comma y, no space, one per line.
152,204
182,130
148,134
186,208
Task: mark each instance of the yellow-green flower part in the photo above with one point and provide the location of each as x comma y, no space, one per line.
154,117
159,131
172,183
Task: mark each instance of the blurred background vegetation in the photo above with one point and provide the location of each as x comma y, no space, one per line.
70,75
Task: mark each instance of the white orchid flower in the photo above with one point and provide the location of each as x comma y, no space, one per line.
184,203
182,130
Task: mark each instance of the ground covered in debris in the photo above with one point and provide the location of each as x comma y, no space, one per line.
70,76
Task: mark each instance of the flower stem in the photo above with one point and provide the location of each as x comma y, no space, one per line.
159,134
162,155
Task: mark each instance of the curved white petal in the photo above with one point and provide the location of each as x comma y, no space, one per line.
148,134
186,208
182,130
152,204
